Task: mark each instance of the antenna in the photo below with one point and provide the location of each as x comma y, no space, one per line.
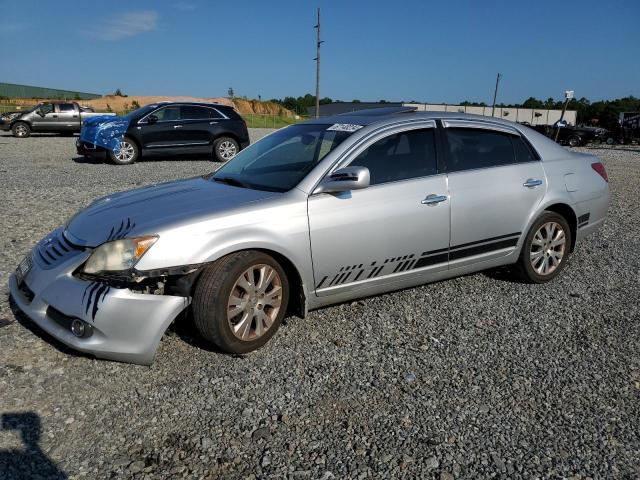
495,94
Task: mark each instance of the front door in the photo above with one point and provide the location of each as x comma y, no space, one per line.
496,182
45,118
397,226
164,135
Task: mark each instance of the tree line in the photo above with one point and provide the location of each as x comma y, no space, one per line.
603,113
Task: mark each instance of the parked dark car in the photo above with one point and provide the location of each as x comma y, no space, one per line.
576,136
170,128
65,118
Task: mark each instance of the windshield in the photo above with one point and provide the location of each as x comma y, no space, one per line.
140,111
281,160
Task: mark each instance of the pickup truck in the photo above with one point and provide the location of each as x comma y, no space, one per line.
51,117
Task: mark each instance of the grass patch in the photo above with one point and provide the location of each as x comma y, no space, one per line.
268,121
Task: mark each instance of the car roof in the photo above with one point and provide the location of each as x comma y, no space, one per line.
199,104
381,116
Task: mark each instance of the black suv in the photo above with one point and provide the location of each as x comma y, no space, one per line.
170,128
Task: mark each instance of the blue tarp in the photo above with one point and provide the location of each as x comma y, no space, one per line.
104,131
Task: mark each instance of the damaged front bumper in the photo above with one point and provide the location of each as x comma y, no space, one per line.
121,324
89,149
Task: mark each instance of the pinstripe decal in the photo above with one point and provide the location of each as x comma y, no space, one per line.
406,263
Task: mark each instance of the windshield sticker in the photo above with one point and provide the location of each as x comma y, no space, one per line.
345,127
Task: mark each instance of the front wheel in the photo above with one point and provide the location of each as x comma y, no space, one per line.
240,301
574,141
546,249
225,148
126,154
21,130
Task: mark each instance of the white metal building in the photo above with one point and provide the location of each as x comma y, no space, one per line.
530,115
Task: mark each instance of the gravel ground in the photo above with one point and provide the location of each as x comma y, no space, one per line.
476,377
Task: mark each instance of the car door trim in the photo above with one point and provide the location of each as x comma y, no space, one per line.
409,264
222,115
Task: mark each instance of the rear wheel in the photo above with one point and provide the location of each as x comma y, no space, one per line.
546,248
127,154
21,130
240,301
225,148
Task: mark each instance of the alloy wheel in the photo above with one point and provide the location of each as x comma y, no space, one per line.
21,131
227,150
125,152
254,302
548,248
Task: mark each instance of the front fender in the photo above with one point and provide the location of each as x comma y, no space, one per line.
282,229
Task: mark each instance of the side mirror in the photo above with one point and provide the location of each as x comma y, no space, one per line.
152,119
345,179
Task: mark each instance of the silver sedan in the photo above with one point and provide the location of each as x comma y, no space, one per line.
317,213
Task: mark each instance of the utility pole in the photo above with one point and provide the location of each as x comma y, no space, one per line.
495,94
568,95
317,59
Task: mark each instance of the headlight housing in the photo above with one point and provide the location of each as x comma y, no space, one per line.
118,255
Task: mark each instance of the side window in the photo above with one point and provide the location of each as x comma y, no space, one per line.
66,107
213,113
401,156
471,148
192,112
168,114
523,151
46,108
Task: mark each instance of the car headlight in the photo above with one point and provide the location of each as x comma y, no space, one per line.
118,255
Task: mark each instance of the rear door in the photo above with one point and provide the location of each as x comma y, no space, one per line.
68,118
388,232
199,125
496,182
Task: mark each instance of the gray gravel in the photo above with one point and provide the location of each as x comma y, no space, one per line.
476,377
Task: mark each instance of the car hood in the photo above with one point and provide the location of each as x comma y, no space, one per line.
150,209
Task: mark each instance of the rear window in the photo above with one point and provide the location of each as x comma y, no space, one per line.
191,112
471,148
66,107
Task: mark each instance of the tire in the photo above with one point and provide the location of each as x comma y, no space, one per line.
574,141
21,130
129,155
610,141
531,268
213,302
225,148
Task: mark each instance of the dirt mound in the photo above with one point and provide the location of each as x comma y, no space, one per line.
117,103
121,104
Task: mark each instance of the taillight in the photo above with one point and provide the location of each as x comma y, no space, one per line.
599,167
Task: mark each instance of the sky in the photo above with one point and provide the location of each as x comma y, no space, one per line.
428,51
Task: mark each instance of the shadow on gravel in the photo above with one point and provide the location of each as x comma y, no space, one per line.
618,149
99,159
26,322
503,274
29,461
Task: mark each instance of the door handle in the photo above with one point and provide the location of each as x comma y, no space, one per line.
531,183
434,199
212,123
55,116
177,126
